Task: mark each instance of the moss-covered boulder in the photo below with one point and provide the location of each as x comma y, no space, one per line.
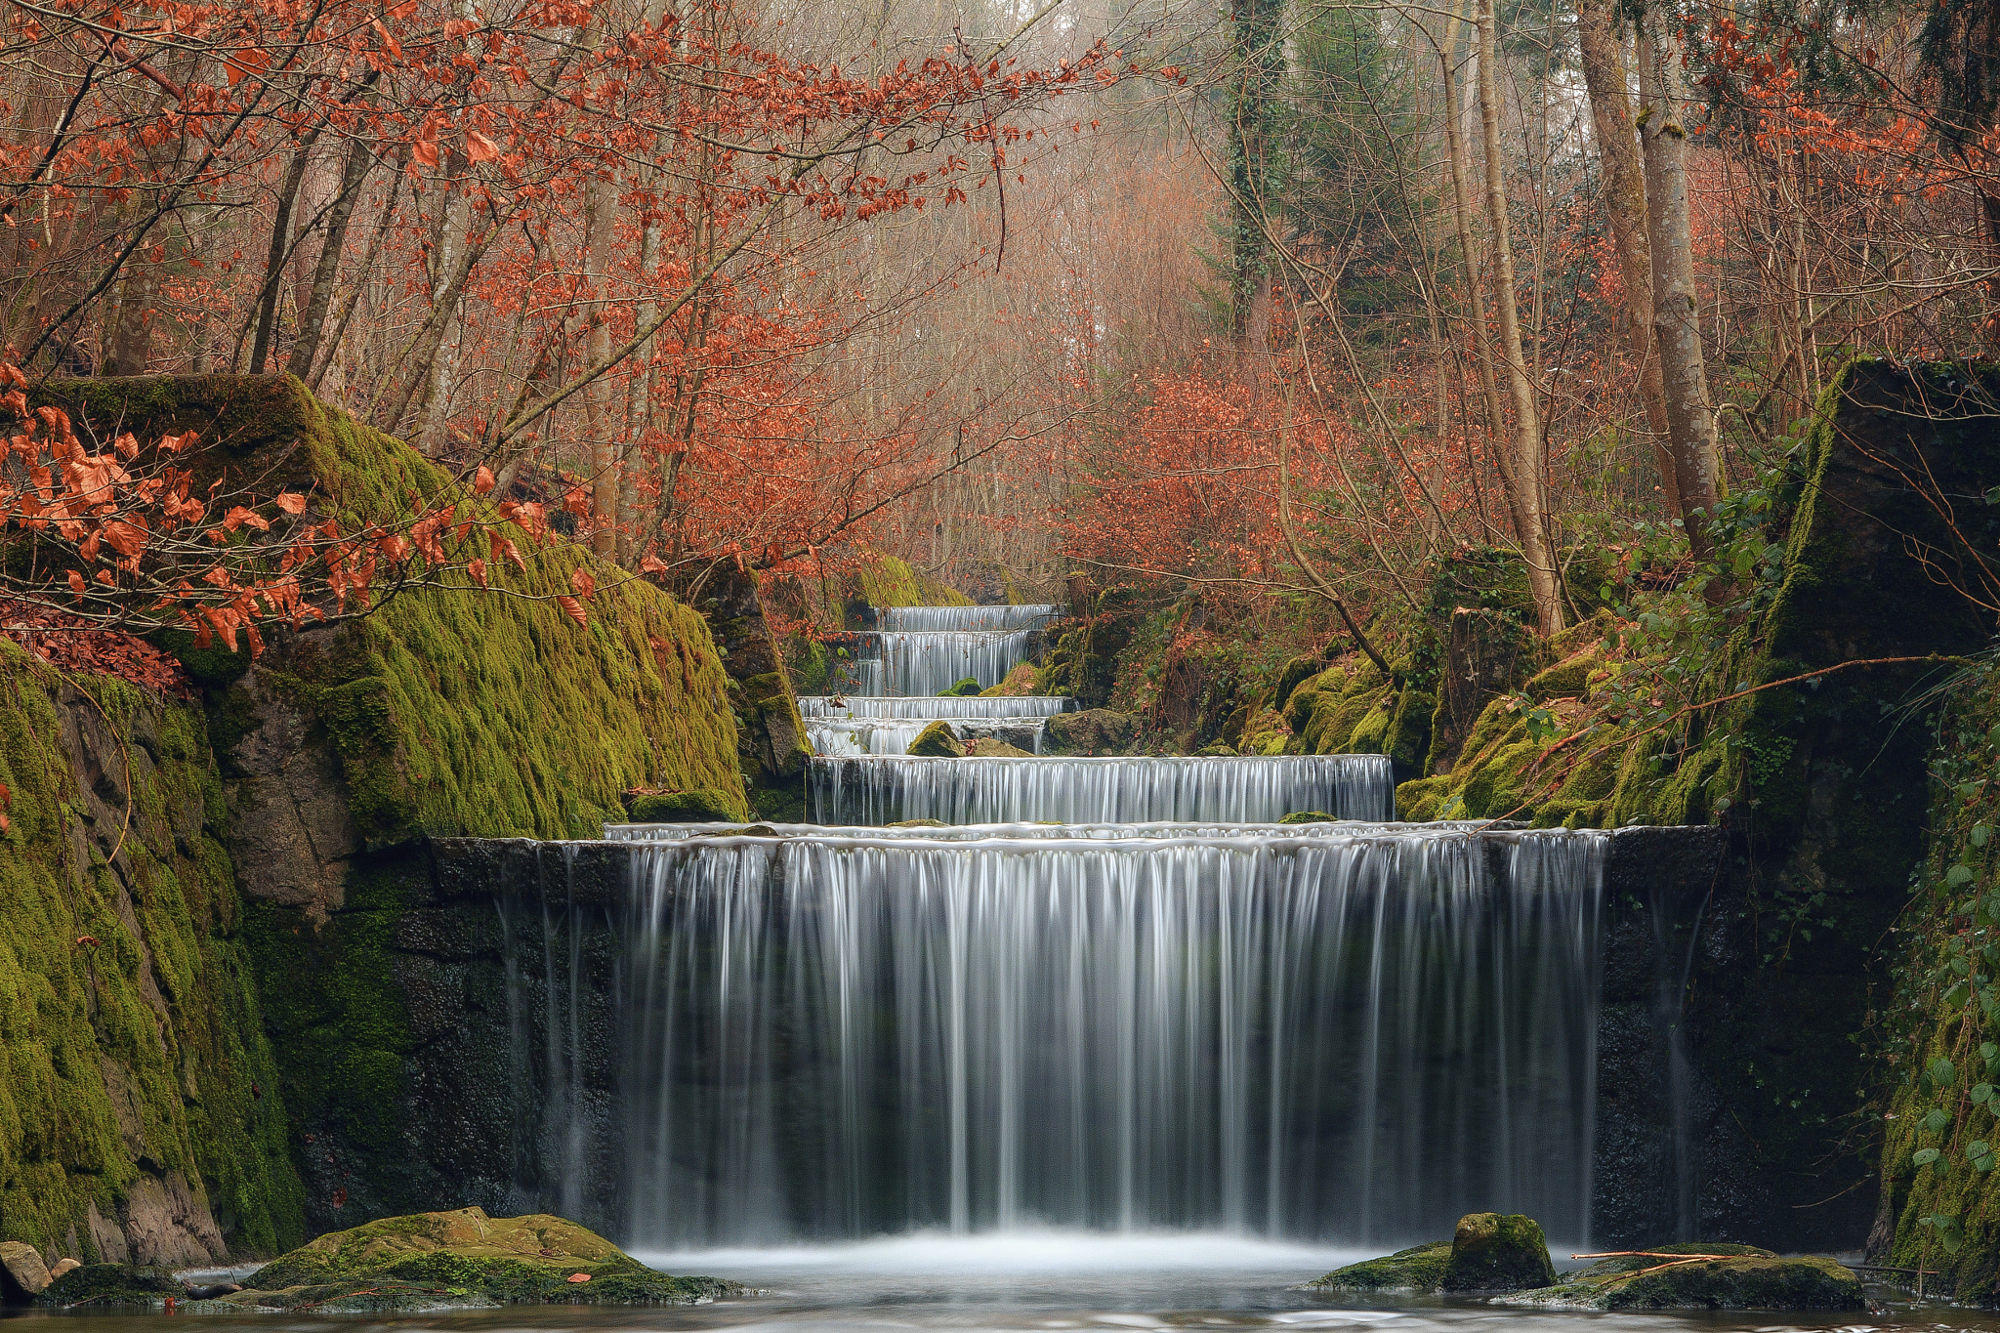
937,741
1498,1252
463,1258
704,805
992,747
1024,678
964,689
1721,1277
1419,1269
1095,731
112,1286
1309,817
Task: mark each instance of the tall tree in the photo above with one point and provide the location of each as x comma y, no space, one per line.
1254,103
1676,311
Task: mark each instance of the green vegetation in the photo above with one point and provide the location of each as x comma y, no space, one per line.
1417,1269
131,1047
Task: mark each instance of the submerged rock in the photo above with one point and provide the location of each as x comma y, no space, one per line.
1487,1252
1417,1269
1498,1252
1746,1278
462,1259
937,741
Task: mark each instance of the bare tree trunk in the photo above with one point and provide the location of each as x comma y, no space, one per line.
1676,323
354,168
1609,82
275,255
599,197
1460,161
129,339
1528,491
440,356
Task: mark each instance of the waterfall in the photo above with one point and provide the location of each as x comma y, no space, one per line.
1344,1032
919,662
930,710
1068,790
962,618
892,736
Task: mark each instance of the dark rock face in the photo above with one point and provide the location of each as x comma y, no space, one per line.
770,735
1498,1252
1486,653
1095,731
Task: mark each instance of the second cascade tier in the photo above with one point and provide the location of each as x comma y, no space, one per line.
885,790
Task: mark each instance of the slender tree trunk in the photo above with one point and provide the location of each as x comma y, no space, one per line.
1676,323
354,168
599,197
1609,82
1528,491
440,355
275,256
1460,162
1257,49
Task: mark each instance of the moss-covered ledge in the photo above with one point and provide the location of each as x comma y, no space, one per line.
445,713
140,1112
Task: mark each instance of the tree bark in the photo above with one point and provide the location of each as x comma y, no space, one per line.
599,197
1676,326
1528,490
1609,83
354,168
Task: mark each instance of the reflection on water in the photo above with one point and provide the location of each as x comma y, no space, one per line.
1031,1282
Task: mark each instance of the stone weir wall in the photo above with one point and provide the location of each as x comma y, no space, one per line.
507,957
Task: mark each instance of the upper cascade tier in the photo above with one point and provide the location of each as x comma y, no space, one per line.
1348,1033
1068,790
965,617
932,661
928,710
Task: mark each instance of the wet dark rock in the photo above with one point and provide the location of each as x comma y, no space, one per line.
1745,1278
1498,1252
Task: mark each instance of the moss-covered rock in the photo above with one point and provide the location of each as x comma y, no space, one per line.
1419,1269
464,1258
1309,817
111,1287
937,741
1024,678
964,689
1094,731
1498,1252
887,580
1746,1278
991,747
140,1110
703,806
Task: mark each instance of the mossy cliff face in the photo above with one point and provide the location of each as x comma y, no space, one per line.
442,714
140,1112
1940,1192
771,746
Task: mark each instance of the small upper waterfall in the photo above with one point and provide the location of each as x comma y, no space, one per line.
1340,1032
813,706
1098,790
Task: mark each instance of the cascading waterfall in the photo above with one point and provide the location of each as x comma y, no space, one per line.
963,618
892,736
1074,790
813,706
920,662
1351,1032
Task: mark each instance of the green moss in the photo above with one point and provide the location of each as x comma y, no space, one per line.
465,1258
1498,1252
126,970
1309,817
1749,1279
937,741
1417,1269
705,806
886,580
112,1286
964,689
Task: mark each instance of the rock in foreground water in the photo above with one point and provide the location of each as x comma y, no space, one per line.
1487,1252
1741,1277
462,1259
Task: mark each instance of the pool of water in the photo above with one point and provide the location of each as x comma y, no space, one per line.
1036,1282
